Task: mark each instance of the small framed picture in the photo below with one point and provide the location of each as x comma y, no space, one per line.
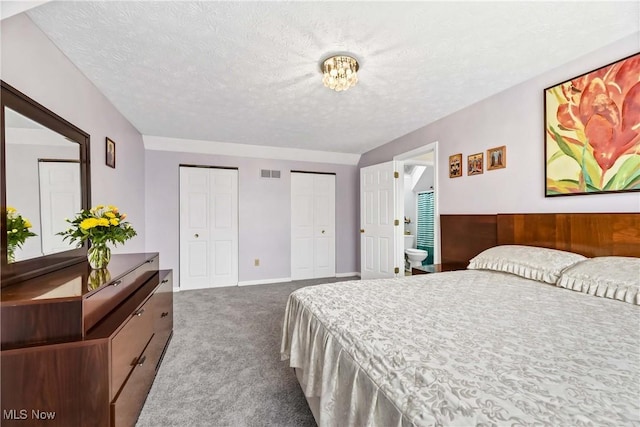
455,165
497,158
110,153
475,163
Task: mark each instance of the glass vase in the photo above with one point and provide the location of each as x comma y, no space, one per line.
98,278
99,256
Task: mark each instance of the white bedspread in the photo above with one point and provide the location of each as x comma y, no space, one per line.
464,348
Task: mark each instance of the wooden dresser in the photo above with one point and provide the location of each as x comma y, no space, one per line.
81,348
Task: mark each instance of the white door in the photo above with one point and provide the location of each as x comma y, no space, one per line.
208,227
60,198
377,230
313,201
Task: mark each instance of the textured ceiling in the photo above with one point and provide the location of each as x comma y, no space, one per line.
248,72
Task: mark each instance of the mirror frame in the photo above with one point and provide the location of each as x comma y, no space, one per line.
22,104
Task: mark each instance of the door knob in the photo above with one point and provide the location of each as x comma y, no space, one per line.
322,231
196,235
362,230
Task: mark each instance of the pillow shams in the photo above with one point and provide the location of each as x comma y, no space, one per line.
541,264
609,277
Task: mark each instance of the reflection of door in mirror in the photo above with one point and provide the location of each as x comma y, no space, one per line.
42,183
59,199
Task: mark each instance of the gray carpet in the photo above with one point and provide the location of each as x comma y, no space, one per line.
223,365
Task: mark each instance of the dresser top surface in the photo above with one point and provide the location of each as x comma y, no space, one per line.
74,282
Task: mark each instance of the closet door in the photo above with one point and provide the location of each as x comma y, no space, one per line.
312,226
208,227
60,198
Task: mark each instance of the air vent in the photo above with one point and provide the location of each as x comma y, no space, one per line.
265,173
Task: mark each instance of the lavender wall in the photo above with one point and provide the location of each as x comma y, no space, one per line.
264,212
33,64
513,118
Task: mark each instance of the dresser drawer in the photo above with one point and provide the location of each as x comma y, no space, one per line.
127,405
127,345
163,317
105,299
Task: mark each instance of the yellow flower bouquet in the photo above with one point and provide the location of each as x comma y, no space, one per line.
100,225
17,232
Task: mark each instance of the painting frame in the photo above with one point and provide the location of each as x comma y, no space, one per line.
110,153
475,164
455,165
577,113
497,158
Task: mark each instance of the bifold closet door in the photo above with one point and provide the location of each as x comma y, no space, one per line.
208,227
313,217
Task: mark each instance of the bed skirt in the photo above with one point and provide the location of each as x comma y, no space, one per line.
347,395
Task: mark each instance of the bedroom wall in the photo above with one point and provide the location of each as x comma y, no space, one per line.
33,64
264,212
513,118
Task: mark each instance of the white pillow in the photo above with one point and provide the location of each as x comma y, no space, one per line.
541,264
614,277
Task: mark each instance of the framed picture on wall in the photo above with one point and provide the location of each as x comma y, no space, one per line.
110,153
455,165
592,140
475,164
497,158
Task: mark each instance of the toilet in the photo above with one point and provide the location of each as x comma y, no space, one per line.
415,256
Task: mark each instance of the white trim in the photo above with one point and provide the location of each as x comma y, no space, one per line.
176,289
353,273
264,281
161,143
416,152
398,212
207,286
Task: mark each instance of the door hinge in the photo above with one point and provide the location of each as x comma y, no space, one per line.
396,270
396,222
396,175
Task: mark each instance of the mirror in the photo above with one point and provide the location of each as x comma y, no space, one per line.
43,187
45,180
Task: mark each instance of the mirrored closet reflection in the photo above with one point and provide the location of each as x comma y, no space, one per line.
43,187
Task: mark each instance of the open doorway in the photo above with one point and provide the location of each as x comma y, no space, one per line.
418,205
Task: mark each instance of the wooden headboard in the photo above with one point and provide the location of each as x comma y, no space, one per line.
589,234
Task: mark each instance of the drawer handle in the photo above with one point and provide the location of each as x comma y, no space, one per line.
116,283
139,312
164,314
164,281
141,360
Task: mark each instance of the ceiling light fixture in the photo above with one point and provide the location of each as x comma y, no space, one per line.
340,72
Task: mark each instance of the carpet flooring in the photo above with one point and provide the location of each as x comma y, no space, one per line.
222,367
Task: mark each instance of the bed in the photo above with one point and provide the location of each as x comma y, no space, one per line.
520,338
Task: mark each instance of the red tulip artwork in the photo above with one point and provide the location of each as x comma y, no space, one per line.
592,128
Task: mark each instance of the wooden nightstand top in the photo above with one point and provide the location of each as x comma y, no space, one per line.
437,268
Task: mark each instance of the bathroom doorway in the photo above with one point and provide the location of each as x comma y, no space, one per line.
419,204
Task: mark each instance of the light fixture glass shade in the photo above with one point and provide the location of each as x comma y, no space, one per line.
340,72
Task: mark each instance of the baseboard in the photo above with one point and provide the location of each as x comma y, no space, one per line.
354,273
264,281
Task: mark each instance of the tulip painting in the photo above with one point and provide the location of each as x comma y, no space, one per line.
593,131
